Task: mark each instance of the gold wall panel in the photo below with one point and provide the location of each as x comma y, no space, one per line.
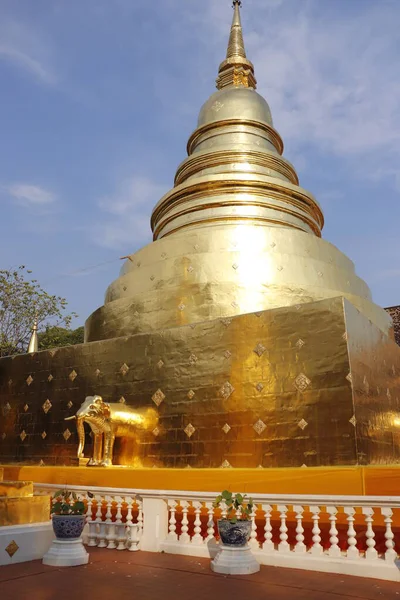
313,480
375,374
16,489
22,511
355,481
269,389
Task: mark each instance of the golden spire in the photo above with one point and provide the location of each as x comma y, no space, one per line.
33,342
236,43
236,69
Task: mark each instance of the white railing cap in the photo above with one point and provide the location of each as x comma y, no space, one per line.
290,499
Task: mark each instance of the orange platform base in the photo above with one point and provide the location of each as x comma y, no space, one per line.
354,481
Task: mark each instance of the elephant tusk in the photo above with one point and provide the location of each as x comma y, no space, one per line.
70,418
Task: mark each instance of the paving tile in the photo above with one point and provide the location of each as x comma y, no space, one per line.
147,576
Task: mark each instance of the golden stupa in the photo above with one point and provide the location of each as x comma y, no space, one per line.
251,336
237,233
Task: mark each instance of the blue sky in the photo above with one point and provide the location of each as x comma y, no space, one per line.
98,98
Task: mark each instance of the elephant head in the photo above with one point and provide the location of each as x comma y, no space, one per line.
93,411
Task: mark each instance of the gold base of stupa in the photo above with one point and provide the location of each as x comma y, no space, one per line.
18,505
315,385
352,481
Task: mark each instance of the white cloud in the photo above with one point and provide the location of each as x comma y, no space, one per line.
126,225
27,49
30,194
336,85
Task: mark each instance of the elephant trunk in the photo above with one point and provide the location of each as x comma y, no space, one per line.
81,436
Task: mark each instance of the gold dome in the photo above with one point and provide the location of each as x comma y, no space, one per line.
235,102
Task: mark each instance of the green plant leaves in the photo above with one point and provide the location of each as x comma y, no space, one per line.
237,506
63,505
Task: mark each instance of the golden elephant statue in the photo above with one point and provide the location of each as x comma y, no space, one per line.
108,421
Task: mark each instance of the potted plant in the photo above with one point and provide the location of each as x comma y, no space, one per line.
235,528
67,515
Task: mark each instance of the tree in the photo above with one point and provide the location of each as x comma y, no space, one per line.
54,337
21,302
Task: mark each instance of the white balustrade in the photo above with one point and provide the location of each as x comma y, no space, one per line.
318,525
184,538
110,526
91,523
334,549
390,554
352,550
172,535
130,534
371,553
102,537
119,527
268,545
210,523
300,545
253,542
140,517
316,549
283,545
197,537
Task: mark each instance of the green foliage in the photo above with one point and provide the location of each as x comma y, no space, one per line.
21,301
233,504
67,503
54,337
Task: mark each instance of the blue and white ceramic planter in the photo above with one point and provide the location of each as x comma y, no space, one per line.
68,527
234,534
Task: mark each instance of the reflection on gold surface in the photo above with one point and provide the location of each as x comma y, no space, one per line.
14,489
375,369
22,511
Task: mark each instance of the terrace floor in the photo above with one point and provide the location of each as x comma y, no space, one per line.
145,576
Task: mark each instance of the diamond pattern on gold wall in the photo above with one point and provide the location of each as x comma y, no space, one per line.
302,382
67,434
189,430
46,406
124,369
158,397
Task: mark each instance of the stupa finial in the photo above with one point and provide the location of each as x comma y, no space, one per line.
236,42
236,69
33,342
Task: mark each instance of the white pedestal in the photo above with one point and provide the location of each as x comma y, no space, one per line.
66,553
235,561
20,543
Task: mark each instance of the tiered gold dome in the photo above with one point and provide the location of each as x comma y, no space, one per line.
237,233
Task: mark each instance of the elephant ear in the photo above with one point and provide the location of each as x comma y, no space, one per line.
105,409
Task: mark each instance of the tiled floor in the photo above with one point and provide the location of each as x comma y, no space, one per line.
145,576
